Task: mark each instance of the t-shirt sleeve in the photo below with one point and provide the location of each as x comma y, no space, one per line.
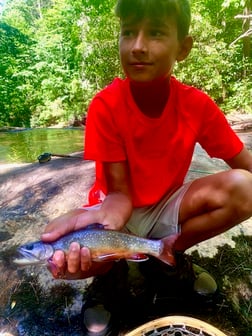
102,137
216,135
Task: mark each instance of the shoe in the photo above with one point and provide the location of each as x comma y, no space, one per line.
204,283
105,302
96,320
201,281
185,277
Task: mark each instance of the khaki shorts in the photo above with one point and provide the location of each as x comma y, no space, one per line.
156,221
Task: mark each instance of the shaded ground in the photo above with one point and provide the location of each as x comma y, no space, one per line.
33,304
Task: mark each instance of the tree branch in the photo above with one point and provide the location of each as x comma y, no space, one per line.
246,34
242,16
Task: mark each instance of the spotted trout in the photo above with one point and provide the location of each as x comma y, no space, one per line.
104,245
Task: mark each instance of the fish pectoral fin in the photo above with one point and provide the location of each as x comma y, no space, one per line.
106,257
53,268
138,257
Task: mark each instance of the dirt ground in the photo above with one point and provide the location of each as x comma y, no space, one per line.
33,304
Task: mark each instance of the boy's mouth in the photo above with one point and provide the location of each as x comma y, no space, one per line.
139,65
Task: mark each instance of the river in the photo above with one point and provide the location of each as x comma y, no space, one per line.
24,146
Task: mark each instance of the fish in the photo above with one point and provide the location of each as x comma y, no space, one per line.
104,245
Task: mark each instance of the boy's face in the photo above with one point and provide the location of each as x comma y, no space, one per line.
149,48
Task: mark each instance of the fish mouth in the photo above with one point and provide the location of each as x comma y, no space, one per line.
26,258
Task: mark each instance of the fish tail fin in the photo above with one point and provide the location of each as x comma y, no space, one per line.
167,254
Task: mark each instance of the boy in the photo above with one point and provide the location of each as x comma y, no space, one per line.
141,131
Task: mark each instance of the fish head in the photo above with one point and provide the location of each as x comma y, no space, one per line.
33,253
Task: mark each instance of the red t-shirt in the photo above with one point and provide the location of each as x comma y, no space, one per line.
158,150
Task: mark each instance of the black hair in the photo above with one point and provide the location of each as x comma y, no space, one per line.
139,9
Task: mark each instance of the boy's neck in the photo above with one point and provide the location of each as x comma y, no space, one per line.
151,97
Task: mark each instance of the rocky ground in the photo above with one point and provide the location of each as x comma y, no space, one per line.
32,303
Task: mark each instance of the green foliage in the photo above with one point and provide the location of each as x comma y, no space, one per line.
215,65
55,55
14,51
240,97
101,61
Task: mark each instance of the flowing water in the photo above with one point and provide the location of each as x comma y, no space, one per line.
26,145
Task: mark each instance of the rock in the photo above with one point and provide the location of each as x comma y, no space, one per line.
33,194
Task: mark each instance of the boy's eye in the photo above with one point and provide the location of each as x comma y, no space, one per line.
126,32
156,33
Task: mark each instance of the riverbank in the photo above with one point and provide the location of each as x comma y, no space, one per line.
33,194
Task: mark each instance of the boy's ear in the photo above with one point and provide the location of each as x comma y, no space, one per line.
185,48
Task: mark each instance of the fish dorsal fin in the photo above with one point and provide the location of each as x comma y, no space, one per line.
94,226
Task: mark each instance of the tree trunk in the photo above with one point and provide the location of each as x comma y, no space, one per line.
247,25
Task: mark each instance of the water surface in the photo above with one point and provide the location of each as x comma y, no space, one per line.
26,145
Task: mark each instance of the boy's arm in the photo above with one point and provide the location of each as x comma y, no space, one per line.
117,206
243,160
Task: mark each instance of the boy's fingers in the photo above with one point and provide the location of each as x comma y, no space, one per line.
86,262
56,229
64,224
73,258
59,259
50,236
57,265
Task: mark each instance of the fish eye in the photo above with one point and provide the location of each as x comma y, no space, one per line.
29,246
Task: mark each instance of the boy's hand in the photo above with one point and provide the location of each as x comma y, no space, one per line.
76,263
74,220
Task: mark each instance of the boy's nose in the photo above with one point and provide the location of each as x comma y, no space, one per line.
139,44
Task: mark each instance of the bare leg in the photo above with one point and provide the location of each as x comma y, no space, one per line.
213,205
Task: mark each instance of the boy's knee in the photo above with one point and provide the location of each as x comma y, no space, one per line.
239,186
239,181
